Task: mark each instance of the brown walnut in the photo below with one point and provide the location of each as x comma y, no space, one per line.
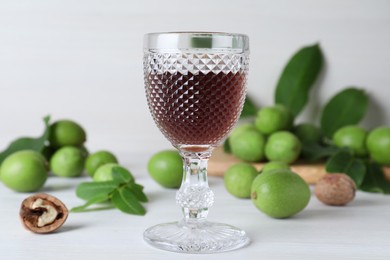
336,189
43,213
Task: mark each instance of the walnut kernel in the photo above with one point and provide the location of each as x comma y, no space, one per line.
43,213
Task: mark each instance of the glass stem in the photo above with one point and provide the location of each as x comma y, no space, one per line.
194,195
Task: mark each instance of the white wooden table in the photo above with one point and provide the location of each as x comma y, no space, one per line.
360,230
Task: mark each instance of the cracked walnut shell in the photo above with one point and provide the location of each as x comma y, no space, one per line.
43,213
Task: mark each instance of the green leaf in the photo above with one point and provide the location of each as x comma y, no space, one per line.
344,162
375,181
138,192
345,108
226,146
127,202
298,77
89,190
201,42
121,175
27,143
97,199
249,109
314,151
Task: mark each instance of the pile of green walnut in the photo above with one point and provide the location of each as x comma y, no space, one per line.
27,163
337,140
353,155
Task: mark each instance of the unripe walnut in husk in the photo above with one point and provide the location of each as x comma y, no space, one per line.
336,189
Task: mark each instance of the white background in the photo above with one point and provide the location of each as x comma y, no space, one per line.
82,59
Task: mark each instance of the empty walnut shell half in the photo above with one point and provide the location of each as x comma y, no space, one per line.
43,213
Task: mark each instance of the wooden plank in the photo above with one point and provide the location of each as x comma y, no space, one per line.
310,172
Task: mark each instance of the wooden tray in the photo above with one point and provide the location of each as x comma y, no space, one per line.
311,173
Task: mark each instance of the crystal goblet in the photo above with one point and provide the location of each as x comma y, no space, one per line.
195,87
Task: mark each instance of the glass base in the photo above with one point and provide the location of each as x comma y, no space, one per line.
196,238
